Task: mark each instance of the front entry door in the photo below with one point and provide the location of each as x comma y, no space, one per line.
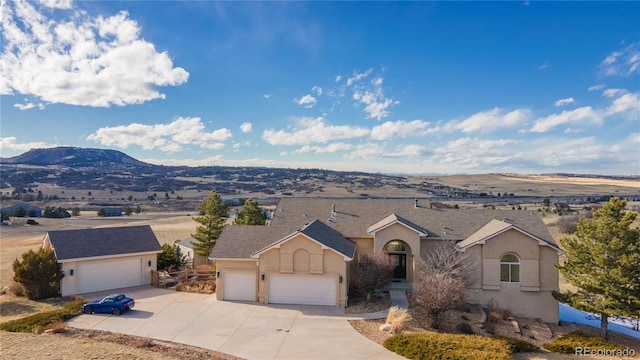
399,265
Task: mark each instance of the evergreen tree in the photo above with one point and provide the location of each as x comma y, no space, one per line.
603,262
213,214
39,273
170,258
250,214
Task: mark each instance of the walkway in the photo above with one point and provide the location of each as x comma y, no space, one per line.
397,293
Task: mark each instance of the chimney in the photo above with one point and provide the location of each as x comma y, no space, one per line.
333,210
416,200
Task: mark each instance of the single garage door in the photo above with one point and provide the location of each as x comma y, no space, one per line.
307,290
109,274
240,286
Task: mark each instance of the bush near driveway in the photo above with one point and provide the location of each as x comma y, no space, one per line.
37,323
430,346
567,344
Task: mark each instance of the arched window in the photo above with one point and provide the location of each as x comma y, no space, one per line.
395,246
510,268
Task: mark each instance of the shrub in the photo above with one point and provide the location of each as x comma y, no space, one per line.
16,289
373,271
464,328
39,273
39,322
427,346
397,317
517,345
567,344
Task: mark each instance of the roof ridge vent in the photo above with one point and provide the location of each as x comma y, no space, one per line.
509,220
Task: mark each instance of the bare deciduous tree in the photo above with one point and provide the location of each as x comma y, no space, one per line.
441,279
373,271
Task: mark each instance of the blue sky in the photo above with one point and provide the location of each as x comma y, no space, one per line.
400,87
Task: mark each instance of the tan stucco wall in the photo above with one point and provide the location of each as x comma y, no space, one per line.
300,255
363,246
228,265
69,283
403,233
530,297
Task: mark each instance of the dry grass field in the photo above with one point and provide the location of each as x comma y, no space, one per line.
19,237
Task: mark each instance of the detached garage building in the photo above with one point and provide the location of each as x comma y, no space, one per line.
105,258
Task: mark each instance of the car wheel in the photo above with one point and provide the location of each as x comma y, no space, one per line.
88,310
116,311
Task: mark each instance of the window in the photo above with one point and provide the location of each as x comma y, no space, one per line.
395,246
510,268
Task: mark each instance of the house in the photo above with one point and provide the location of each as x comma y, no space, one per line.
22,210
303,256
186,249
104,258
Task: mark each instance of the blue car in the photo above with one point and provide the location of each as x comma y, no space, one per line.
113,304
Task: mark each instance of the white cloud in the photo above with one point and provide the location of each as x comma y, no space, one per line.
474,153
491,120
10,143
307,101
331,148
611,93
596,87
57,4
565,101
357,77
576,116
626,103
246,127
317,89
166,137
338,78
266,96
399,129
366,151
28,106
375,101
623,62
543,66
80,60
314,130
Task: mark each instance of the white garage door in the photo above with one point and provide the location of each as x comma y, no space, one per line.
307,290
109,274
239,286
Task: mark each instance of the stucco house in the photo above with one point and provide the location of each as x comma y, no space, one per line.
104,258
303,256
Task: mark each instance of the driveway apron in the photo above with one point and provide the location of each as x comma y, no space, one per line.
247,330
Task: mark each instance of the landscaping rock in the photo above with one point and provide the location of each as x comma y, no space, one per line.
385,327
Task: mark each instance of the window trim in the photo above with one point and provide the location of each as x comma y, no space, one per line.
510,267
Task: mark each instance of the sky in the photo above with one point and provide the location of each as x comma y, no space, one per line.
391,87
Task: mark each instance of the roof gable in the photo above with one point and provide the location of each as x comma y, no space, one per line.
495,228
87,243
322,234
395,219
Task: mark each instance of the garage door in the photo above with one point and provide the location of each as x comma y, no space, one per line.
109,274
307,290
239,286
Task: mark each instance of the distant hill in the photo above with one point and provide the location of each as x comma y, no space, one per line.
74,157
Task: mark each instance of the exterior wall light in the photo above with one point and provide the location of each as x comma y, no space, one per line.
340,279
262,276
71,272
217,274
149,263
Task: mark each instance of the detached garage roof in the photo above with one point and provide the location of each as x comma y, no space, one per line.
87,243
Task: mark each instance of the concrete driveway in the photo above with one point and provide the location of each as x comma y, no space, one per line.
247,330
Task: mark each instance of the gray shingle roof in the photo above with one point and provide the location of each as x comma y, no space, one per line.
327,236
240,241
84,243
353,218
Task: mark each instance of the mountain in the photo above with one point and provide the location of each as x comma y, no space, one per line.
73,157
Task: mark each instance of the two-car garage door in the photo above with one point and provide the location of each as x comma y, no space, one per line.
109,274
301,289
